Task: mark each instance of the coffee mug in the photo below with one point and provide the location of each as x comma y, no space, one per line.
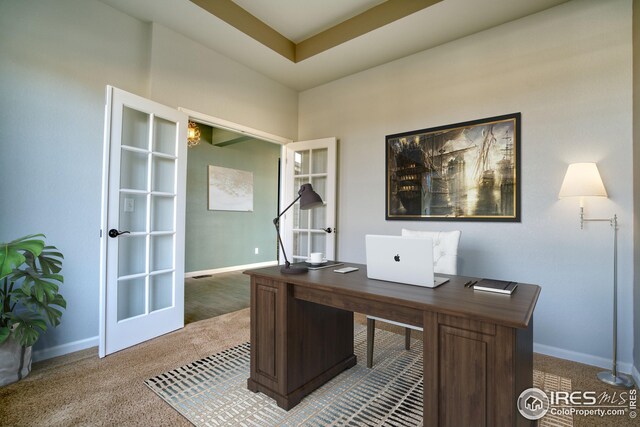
315,257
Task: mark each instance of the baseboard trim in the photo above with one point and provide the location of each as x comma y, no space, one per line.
62,349
229,269
587,359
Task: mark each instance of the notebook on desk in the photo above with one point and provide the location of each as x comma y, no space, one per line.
497,286
407,260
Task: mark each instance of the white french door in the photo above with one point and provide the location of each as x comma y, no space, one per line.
313,230
142,251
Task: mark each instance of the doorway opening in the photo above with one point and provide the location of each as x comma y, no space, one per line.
232,197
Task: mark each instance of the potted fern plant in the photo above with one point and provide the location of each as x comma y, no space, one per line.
29,300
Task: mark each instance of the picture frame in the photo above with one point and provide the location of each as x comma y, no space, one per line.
230,189
467,171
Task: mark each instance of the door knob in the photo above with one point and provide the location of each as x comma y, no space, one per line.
328,230
115,233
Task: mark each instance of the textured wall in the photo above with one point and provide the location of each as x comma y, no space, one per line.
187,74
568,71
57,58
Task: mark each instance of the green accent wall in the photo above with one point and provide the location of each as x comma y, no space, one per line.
216,239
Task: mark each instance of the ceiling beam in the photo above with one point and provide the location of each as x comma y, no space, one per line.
242,20
233,141
369,20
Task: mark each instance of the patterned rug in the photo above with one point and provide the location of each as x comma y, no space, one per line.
548,382
213,391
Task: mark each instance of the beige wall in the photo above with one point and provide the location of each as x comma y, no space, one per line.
56,59
568,71
187,74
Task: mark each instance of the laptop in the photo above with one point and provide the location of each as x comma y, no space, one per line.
402,260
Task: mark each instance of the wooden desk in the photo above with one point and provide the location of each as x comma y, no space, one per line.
478,346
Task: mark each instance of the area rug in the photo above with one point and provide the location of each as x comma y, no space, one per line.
549,382
213,391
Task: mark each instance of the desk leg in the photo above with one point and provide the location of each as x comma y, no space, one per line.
296,346
431,396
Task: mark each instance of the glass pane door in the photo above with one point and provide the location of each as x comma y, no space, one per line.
148,175
144,249
310,166
311,162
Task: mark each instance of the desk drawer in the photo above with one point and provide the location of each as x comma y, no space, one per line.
385,310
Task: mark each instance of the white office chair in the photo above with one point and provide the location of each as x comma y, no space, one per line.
445,261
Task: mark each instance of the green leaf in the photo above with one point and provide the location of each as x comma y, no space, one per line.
45,286
53,315
12,254
27,335
9,260
59,301
38,284
50,260
29,297
29,328
4,333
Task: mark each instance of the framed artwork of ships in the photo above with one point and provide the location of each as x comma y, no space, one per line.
462,172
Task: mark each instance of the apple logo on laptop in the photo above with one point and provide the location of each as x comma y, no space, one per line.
397,258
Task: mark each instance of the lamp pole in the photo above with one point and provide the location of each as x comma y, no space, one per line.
613,378
583,180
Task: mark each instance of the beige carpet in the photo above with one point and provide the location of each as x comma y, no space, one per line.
83,390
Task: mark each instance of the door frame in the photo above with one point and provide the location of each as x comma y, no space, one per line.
102,310
264,136
234,127
249,131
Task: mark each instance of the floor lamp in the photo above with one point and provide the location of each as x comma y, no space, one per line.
308,199
583,180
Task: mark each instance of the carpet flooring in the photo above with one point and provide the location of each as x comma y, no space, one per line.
84,390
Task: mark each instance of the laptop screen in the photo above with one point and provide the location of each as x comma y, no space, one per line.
400,259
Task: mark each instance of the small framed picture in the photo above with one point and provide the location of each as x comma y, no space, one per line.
230,189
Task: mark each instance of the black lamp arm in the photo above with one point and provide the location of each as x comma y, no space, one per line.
276,223
277,219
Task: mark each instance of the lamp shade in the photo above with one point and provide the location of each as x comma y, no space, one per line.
308,198
582,179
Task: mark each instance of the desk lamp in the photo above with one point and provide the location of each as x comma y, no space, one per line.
308,199
583,180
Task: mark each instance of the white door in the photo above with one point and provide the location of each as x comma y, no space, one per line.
312,230
142,251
